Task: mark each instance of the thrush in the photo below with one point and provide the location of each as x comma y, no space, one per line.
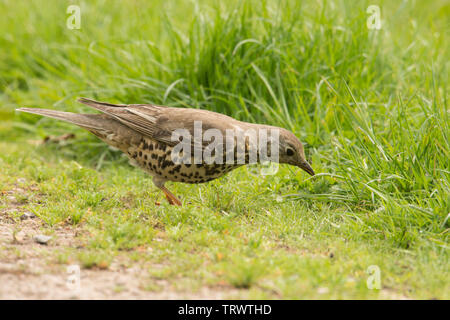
145,133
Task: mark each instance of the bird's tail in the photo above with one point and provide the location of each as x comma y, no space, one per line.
88,121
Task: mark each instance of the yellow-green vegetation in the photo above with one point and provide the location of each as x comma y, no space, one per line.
370,105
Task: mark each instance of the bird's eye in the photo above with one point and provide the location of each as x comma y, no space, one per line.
289,152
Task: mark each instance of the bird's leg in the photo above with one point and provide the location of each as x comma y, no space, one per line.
159,182
173,200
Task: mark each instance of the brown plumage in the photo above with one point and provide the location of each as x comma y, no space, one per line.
144,133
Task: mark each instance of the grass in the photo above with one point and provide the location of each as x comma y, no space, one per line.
371,107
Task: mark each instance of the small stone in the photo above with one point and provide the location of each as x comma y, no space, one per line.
19,236
27,215
323,290
42,239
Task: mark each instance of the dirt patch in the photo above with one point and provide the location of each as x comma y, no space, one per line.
29,270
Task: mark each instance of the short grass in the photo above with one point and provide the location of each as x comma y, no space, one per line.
371,107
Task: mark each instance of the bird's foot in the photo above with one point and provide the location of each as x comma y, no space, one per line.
173,200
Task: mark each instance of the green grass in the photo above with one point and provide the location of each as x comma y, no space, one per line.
371,107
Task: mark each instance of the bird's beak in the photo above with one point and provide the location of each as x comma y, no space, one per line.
305,166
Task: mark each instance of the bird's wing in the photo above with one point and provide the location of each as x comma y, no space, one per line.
159,123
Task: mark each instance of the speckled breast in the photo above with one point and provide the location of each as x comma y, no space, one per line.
155,158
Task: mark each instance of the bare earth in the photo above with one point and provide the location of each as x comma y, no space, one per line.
29,270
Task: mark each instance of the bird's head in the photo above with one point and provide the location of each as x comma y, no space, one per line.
291,151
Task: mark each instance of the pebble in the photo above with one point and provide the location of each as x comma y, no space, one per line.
27,215
19,236
323,290
42,239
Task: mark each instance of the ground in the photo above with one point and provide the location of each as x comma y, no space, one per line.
29,270
370,106
130,244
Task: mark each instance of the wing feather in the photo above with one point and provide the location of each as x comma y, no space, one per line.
159,122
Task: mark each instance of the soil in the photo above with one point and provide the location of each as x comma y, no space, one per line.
30,270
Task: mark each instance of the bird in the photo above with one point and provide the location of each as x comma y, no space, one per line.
145,133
